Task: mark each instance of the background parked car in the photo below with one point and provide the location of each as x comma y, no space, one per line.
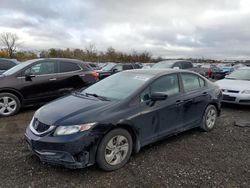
113,68
41,80
6,64
236,87
178,64
94,66
226,68
217,73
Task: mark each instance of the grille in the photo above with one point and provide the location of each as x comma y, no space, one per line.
228,98
230,91
245,101
233,91
40,127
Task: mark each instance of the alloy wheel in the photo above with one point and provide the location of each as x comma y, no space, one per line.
8,105
211,118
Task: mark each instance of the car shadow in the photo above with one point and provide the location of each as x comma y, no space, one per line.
235,106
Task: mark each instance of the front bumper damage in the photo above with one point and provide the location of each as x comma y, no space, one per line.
74,151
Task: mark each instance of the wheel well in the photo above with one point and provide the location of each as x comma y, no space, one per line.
16,93
216,106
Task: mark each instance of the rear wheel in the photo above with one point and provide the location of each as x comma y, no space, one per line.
114,150
209,118
9,104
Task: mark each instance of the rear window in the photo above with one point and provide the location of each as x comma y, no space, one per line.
187,65
137,66
127,67
68,67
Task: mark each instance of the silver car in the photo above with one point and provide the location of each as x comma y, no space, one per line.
236,87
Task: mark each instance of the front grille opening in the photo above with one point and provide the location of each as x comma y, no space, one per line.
245,101
39,126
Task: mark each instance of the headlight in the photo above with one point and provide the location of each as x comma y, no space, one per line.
71,129
246,92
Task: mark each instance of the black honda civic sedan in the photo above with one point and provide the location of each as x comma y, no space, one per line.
109,120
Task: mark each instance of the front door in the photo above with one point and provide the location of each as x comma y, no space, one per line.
39,82
169,110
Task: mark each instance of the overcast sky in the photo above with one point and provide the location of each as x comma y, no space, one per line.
169,28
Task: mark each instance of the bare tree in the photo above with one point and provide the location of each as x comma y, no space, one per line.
9,40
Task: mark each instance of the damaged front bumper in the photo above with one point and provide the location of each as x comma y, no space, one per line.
74,151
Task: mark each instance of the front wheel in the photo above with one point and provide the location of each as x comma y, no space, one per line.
114,150
209,118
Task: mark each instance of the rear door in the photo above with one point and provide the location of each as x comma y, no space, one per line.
41,86
195,98
69,77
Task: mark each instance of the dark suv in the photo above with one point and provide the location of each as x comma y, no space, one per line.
6,64
112,68
179,64
41,80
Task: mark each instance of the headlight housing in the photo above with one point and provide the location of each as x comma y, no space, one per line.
71,129
246,92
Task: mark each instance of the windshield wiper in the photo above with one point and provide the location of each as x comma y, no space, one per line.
97,96
231,78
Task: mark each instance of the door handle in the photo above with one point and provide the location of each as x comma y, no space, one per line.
188,101
178,102
52,79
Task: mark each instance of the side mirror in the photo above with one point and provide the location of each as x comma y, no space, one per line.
115,70
158,96
28,77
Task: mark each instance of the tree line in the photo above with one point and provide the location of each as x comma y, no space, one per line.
10,44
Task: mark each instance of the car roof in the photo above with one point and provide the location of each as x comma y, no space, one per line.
158,72
173,61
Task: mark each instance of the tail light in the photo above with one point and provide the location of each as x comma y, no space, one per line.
95,74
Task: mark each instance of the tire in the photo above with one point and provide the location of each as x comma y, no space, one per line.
9,104
209,118
110,155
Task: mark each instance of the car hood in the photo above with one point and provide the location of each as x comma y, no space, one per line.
238,85
73,110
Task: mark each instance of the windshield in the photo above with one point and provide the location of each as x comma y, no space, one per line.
241,74
108,67
118,86
162,65
16,68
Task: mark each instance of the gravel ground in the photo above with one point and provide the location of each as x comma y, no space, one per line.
191,159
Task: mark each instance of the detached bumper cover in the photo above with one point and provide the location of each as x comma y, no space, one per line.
72,151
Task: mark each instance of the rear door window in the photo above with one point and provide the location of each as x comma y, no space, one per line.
68,67
190,82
